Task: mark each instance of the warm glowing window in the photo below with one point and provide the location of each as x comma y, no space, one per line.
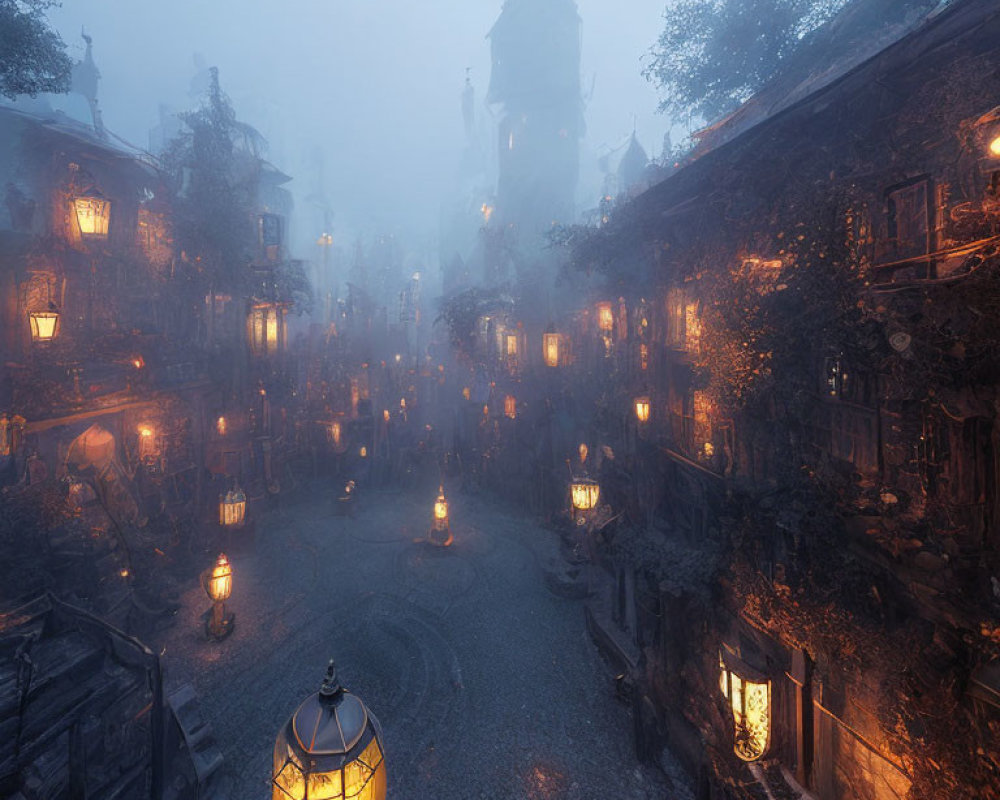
605,317
148,447
683,321
267,329
551,345
750,703
510,406
643,356
511,344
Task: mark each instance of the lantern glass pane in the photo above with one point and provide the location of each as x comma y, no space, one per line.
289,783
325,785
363,780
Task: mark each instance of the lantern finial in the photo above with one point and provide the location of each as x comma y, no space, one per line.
331,690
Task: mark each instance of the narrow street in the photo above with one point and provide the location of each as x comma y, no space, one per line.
486,684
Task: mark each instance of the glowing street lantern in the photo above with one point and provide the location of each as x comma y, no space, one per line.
44,325
385,414
605,317
642,409
219,586
440,526
147,444
93,213
585,493
551,347
750,703
330,749
221,426
363,452
510,406
233,508
995,147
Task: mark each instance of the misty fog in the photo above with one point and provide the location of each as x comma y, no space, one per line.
372,85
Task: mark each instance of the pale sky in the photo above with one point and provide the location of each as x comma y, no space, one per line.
374,84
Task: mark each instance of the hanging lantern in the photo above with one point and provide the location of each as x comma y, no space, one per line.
605,317
93,213
510,406
585,493
233,508
219,586
750,703
642,409
44,325
330,749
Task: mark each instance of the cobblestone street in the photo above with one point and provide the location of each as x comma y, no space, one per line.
486,684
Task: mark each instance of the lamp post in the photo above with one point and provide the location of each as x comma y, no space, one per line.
440,526
219,586
330,749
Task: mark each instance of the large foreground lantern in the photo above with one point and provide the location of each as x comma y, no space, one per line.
749,699
44,325
219,586
330,749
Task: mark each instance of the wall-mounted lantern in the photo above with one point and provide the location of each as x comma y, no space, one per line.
330,749
749,699
642,408
93,213
44,325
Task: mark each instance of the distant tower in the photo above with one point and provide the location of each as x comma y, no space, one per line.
536,79
84,80
632,167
